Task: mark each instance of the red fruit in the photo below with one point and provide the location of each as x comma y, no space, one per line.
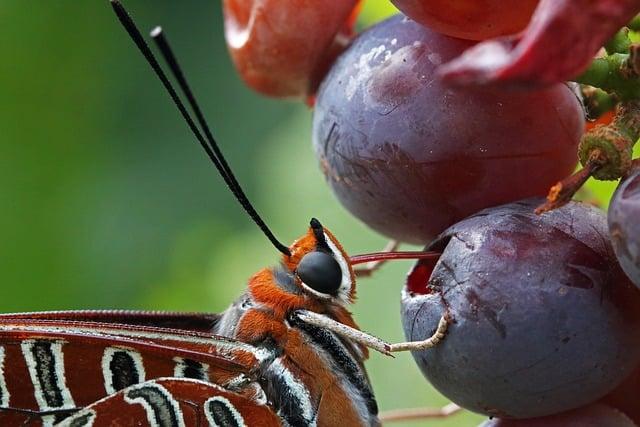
558,45
284,47
410,156
470,19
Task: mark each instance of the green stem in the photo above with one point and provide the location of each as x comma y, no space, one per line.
613,74
619,43
634,25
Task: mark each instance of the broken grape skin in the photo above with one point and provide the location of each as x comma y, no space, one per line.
409,156
559,43
624,224
283,48
590,416
544,319
470,19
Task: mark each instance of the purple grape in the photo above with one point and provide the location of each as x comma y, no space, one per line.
624,225
544,318
410,156
589,416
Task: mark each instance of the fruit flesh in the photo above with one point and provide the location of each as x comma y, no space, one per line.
470,19
410,156
544,320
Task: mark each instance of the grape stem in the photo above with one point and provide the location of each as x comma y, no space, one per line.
419,413
562,193
614,141
605,153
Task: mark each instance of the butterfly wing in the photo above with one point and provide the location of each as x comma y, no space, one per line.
195,322
174,402
51,367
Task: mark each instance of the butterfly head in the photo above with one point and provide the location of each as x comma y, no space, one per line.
320,266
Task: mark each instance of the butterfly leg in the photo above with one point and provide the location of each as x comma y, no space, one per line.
373,266
419,413
432,341
370,340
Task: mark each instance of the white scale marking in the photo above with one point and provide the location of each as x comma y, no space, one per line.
90,415
151,414
236,415
58,369
4,392
345,284
107,373
297,388
181,367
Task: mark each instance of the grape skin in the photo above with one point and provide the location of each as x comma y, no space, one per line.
410,157
590,416
544,319
624,225
284,48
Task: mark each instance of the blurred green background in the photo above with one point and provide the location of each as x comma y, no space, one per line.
107,202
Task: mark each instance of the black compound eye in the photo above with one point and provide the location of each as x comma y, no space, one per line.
321,272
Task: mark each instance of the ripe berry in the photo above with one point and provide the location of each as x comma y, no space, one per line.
410,157
544,318
283,48
624,225
472,20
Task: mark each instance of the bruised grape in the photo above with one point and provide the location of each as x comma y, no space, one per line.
544,320
589,416
624,225
472,20
410,157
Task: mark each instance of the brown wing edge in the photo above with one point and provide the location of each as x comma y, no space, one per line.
196,322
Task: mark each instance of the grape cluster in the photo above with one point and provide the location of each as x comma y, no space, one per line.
544,310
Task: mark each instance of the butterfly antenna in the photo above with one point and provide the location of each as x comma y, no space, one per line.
209,145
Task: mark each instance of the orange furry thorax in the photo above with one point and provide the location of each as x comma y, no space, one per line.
265,291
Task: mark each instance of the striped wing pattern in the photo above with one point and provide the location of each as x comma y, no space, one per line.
174,402
54,364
